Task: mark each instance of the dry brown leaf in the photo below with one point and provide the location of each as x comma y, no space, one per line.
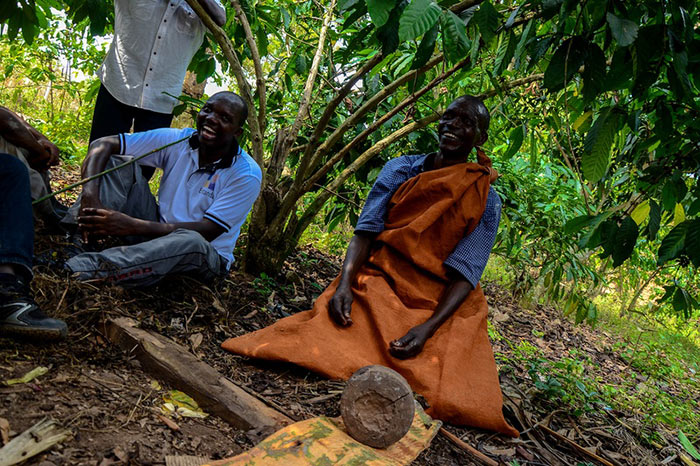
218,306
121,454
4,430
196,340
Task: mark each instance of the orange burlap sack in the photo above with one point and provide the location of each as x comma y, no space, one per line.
397,289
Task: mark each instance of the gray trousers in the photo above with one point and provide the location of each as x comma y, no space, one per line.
146,262
38,181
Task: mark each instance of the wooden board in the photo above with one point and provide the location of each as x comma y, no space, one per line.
186,460
173,363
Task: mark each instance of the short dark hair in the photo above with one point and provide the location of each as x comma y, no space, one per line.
237,101
481,111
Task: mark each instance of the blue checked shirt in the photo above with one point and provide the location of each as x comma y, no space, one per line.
472,252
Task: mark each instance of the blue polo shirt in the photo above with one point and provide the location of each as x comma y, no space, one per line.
188,193
472,252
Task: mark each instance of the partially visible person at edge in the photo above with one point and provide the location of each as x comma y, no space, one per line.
154,42
408,295
208,187
19,313
21,140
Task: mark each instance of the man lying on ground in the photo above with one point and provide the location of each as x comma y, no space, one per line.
408,296
208,187
19,314
24,142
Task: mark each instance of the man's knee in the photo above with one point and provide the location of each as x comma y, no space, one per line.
11,166
189,241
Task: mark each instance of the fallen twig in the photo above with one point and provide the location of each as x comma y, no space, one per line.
575,445
468,448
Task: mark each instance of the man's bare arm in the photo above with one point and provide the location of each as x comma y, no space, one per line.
18,132
106,222
215,11
413,342
358,252
98,155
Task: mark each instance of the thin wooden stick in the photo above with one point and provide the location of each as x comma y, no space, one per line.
109,170
468,448
575,445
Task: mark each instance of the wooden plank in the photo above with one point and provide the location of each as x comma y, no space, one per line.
41,436
173,363
186,460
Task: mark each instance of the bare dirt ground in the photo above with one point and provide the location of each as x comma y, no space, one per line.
113,409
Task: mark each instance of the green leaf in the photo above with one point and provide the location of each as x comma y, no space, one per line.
620,72
576,224
418,17
379,11
692,242
625,240
358,12
672,244
593,72
694,207
669,195
388,34
654,220
565,63
516,141
680,300
641,212
488,19
623,30
687,445
344,5
504,54
455,37
596,146
525,38
425,48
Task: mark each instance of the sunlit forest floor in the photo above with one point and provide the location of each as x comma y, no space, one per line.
620,394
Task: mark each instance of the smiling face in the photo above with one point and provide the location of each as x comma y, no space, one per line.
463,126
220,121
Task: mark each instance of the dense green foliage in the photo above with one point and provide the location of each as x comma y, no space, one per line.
599,160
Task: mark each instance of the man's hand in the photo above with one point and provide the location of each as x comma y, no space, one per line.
340,306
52,150
105,222
410,344
41,160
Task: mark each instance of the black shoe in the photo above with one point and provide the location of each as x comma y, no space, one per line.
21,316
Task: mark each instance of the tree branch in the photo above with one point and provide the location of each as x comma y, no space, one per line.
311,211
457,8
353,119
257,64
321,198
318,174
243,86
293,132
331,110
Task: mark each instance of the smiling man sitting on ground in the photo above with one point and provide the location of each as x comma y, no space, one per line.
408,295
208,187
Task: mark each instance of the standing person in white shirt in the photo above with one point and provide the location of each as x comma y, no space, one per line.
208,187
154,42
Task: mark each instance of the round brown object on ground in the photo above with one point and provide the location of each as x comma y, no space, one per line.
377,406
